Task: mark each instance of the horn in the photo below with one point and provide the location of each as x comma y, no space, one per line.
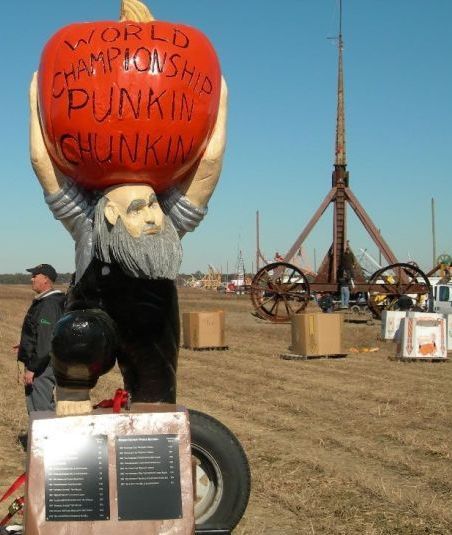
136,11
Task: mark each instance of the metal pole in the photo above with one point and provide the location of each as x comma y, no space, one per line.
433,232
257,241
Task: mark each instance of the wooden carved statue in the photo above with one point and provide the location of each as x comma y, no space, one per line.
127,135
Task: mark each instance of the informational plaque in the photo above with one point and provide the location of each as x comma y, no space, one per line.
148,475
76,479
110,473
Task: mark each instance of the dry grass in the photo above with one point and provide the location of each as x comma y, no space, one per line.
353,446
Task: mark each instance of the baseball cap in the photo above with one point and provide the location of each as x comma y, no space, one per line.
45,269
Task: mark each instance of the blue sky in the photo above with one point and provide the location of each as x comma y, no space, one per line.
281,71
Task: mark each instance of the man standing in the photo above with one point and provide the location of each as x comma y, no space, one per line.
36,338
348,261
344,284
346,274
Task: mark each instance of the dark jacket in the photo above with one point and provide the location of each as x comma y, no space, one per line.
37,330
348,261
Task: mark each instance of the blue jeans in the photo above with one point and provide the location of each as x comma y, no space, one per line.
345,296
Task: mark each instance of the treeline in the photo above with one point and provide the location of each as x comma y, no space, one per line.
65,278
24,278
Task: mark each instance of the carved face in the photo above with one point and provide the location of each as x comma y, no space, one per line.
131,231
138,208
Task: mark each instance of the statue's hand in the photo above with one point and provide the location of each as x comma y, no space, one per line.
201,184
47,174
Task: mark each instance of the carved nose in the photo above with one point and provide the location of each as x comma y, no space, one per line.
149,216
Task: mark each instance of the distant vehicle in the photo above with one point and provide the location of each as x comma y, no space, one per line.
357,303
442,298
222,288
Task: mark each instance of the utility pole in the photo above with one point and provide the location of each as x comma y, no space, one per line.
257,242
433,233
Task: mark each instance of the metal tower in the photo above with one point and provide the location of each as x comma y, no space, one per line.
339,195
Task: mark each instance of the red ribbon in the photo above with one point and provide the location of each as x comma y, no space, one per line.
14,508
18,503
120,400
18,483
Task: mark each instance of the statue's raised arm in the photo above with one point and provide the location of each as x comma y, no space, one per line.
199,189
48,175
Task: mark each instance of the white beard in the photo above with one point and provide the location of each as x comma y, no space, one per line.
150,256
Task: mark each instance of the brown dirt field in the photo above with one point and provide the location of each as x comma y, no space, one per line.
359,445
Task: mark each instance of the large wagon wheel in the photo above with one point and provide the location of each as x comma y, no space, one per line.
403,287
278,291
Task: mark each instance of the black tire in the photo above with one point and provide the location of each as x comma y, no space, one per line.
223,495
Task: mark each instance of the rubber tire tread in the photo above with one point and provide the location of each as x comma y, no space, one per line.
224,447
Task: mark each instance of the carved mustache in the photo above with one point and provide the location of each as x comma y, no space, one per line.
152,229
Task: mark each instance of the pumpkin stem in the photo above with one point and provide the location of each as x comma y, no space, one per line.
136,11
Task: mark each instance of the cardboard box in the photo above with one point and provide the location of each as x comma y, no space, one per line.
203,329
423,338
317,333
390,324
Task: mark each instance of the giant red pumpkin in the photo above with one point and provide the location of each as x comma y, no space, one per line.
128,102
